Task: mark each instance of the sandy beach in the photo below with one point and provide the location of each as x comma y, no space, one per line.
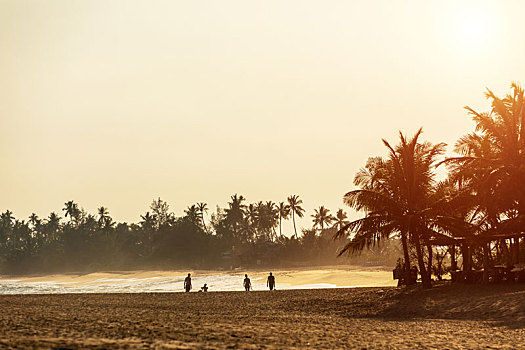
445,317
146,281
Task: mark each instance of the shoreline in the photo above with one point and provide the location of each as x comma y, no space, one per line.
344,267
167,281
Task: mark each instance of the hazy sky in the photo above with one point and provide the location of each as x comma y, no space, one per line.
116,103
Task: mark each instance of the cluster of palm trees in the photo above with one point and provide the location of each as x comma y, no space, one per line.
258,221
480,206
78,239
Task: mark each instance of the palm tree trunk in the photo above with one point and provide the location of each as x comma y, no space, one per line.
295,229
430,252
467,266
453,261
486,249
280,220
408,279
517,250
204,225
421,263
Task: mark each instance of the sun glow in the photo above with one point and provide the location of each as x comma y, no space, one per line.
473,29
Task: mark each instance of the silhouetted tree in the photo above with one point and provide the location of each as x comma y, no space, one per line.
395,196
321,217
295,209
340,219
161,213
284,214
235,213
203,209
71,209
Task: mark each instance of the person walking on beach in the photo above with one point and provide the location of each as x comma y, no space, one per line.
270,283
187,283
247,283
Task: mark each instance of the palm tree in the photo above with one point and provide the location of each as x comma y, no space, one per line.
492,157
284,213
34,220
340,219
395,196
491,166
193,214
103,217
295,207
203,208
268,218
6,227
52,227
71,209
322,217
235,212
251,221
148,224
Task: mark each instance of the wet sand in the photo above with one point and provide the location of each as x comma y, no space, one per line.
445,317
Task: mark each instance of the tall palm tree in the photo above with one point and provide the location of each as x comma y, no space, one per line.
251,222
193,214
71,209
148,221
340,219
7,218
203,208
269,216
321,217
295,208
103,217
492,157
6,227
148,225
235,212
52,227
34,220
491,165
395,196
284,213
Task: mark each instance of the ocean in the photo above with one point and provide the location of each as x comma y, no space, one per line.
226,282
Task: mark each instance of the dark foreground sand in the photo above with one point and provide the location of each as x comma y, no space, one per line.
445,317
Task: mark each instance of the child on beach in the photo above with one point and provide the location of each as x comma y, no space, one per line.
204,288
247,283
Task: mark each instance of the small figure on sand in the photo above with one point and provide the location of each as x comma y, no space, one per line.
247,283
270,283
187,283
204,288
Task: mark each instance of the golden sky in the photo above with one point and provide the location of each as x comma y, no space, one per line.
115,103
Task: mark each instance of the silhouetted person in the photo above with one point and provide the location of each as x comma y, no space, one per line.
204,288
270,283
247,283
187,283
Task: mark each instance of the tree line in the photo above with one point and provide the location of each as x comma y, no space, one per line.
477,211
242,234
